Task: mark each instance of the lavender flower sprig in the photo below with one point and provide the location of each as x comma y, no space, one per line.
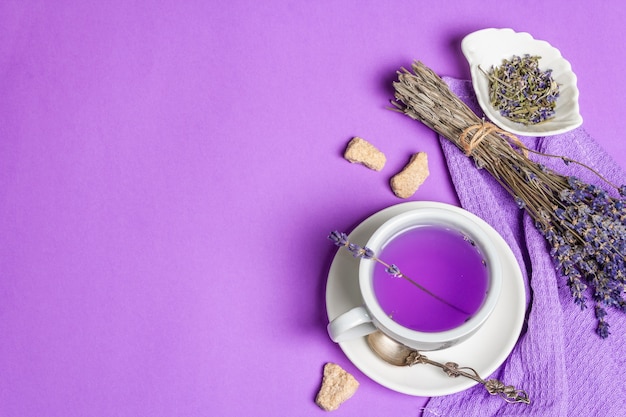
341,239
583,225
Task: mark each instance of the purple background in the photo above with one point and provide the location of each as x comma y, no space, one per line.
170,170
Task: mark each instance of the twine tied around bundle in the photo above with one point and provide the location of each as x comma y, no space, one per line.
473,135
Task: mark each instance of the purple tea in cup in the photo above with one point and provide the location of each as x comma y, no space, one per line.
444,261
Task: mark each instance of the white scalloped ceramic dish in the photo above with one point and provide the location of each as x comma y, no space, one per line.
488,47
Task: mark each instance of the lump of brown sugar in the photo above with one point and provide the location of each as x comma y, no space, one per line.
337,387
360,151
405,183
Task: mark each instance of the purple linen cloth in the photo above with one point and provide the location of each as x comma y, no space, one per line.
559,360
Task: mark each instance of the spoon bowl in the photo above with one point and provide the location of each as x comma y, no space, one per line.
388,349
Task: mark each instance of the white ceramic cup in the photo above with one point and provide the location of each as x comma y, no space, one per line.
369,317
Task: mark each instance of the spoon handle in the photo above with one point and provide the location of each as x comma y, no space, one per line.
508,392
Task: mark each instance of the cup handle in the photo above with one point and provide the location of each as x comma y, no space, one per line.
351,325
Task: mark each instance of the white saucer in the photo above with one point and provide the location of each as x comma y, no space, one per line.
485,351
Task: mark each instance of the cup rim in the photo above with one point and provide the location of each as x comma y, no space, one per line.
444,215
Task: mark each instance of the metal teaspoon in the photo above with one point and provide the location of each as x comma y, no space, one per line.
398,354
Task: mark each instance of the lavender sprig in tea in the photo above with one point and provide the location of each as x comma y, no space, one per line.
341,240
584,225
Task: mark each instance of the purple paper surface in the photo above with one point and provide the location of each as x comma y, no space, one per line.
169,172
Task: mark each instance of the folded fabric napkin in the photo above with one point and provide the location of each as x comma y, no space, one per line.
565,367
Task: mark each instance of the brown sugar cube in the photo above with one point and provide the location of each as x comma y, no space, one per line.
337,387
360,151
405,183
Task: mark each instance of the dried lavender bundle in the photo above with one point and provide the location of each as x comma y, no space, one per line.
583,224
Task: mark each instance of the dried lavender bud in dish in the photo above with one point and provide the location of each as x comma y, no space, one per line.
521,91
